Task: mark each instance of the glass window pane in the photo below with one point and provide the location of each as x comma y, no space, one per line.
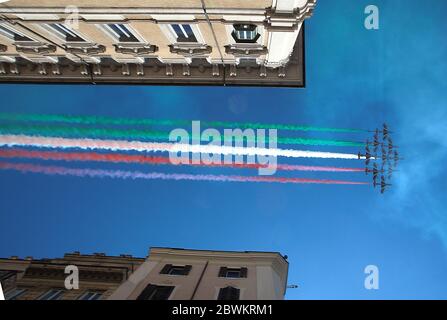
123,33
68,34
52,295
184,33
15,36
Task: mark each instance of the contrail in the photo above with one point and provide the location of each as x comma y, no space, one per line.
64,171
94,120
143,159
121,145
132,134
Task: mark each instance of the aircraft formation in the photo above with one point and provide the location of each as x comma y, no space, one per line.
381,158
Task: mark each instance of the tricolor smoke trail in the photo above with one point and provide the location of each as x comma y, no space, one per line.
57,170
93,120
121,145
143,159
132,134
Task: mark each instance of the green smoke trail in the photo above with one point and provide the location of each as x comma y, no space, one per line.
132,134
94,120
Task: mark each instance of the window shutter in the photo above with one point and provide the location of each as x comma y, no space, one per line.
166,269
223,272
147,292
228,293
222,294
244,272
187,269
163,293
233,293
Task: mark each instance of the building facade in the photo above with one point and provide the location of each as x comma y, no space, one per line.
44,279
181,274
166,274
208,42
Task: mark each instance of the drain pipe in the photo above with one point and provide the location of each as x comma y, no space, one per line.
200,280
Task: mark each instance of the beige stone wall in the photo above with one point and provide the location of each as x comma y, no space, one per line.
143,23
280,39
208,285
36,286
143,3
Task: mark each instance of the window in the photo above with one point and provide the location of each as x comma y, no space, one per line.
90,295
184,33
121,32
154,292
176,270
14,293
245,33
229,293
64,32
13,34
225,272
6,274
52,294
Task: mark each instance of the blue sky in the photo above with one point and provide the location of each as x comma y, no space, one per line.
355,78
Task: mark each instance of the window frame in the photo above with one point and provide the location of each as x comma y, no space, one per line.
17,293
171,35
184,270
62,37
181,26
234,271
234,32
58,293
242,272
95,294
116,37
221,297
154,292
14,30
180,270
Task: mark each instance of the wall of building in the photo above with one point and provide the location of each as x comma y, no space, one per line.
266,275
211,20
97,272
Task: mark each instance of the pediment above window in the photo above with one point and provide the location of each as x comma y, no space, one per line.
190,49
87,49
136,49
35,47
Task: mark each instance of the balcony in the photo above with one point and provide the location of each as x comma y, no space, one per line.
190,49
35,47
135,49
85,48
246,50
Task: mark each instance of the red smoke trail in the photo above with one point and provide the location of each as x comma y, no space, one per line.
120,158
56,170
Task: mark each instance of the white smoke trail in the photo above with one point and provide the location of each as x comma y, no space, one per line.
122,145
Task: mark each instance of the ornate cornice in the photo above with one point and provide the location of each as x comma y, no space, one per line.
288,21
42,272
